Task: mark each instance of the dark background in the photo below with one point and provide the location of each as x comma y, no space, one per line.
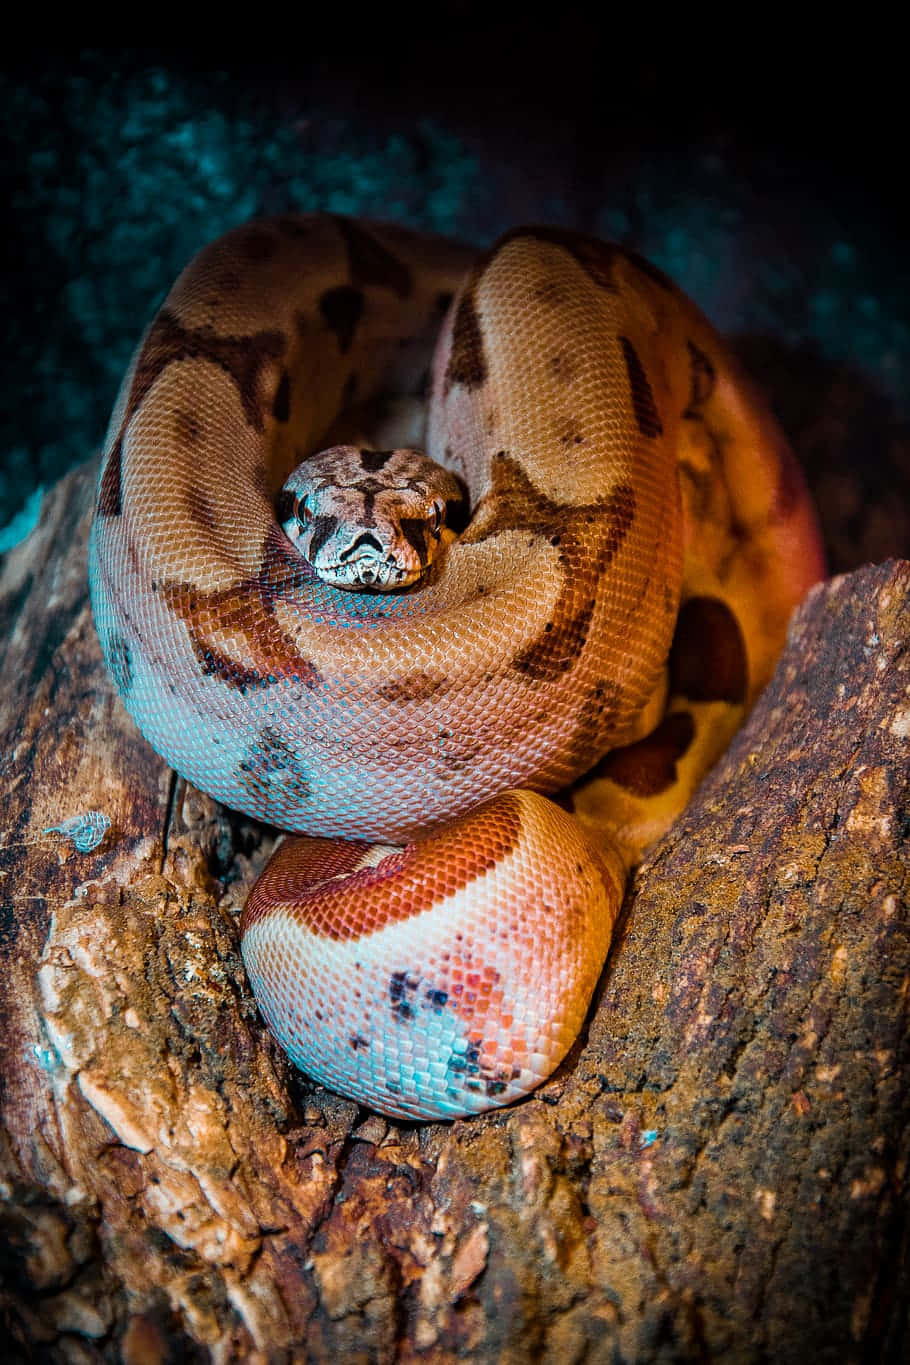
765,171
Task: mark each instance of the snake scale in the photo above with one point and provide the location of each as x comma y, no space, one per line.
579,590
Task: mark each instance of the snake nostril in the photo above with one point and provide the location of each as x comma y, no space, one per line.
363,542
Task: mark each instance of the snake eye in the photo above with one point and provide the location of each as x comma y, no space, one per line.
436,516
304,511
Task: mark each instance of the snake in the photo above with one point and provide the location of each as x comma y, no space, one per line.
458,567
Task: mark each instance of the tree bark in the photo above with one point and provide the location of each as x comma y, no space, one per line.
716,1171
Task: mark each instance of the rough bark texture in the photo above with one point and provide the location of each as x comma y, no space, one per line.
716,1172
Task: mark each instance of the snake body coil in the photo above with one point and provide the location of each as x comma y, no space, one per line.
633,537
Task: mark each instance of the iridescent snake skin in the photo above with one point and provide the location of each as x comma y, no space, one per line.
588,608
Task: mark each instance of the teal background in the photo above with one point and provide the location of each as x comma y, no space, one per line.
771,194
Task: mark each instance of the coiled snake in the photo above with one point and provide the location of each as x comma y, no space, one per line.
398,659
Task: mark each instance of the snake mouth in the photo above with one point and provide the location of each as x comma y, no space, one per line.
367,572
367,564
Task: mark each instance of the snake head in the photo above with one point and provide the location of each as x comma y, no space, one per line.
369,519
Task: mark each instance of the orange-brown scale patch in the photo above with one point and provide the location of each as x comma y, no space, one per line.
648,767
300,865
471,992
403,884
595,257
708,660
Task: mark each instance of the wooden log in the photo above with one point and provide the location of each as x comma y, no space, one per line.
716,1171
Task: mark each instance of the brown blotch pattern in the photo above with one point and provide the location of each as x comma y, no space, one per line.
227,282
285,505
418,686
653,272
349,390
322,528
420,876
467,363
243,358
791,486
270,767
201,509
283,571
260,481
599,708
370,263
588,537
246,611
648,767
110,500
416,532
646,414
342,309
553,292
563,366
371,461
119,661
703,378
571,434
281,403
708,660
293,226
258,244
241,611
187,427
